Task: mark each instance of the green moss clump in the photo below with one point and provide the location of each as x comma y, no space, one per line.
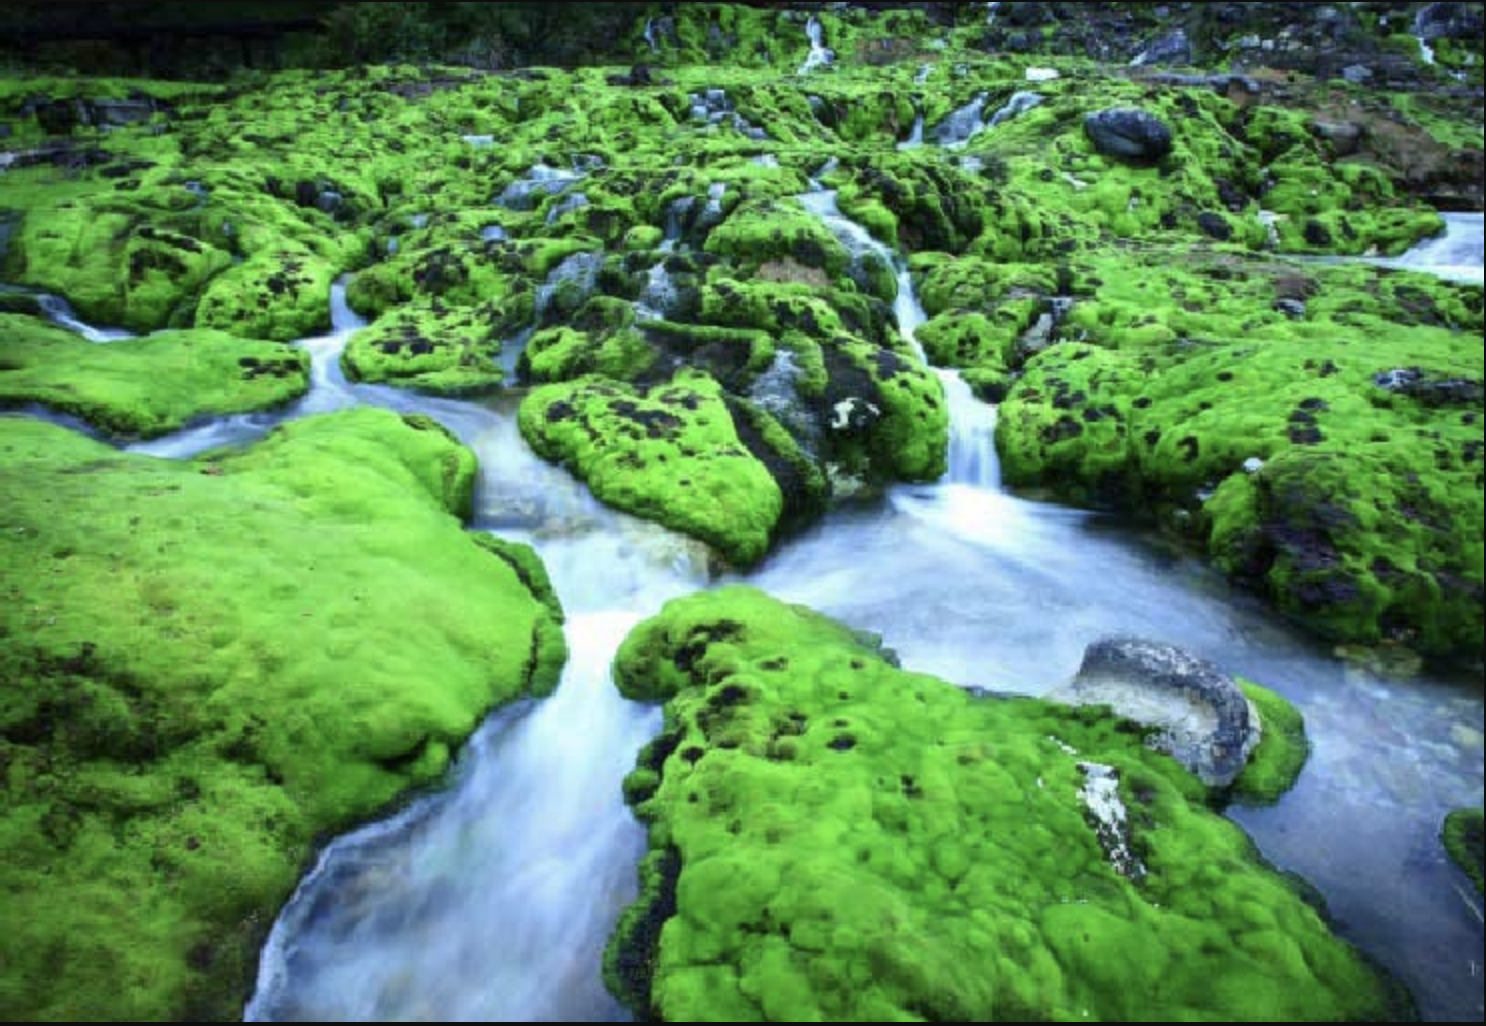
208,668
432,348
1274,413
670,454
1462,835
281,295
1282,752
148,386
836,839
111,260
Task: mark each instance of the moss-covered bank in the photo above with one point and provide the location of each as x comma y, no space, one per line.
208,667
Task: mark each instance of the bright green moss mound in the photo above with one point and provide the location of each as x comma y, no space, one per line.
1317,428
835,839
148,386
1283,748
282,295
208,666
1462,835
431,348
119,262
672,454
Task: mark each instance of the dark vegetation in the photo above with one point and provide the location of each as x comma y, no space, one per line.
210,40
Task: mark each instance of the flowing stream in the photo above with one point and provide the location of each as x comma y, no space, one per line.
491,900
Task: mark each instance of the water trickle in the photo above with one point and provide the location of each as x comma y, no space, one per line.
962,124
915,135
60,312
820,55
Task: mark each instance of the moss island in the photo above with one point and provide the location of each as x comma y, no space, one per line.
1156,237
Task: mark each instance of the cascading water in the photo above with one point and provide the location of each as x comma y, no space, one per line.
492,900
820,55
972,447
1455,254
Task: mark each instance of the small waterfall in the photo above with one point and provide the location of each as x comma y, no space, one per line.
915,135
972,458
963,123
659,295
59,311
328,391
492,900
991,9
1421,18
820,55
650,35
1019,104
1455,254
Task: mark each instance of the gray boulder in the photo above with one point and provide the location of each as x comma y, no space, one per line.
1128,133
1198,714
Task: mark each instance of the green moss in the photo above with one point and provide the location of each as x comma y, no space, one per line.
110,262
1283,748
563,353
281,295
432,348
828,844
1285,442
760,233
670,454
148,386
210,670
1462,836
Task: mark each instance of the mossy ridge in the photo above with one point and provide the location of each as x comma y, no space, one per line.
1461,834
670,453
141,388
824,847
1254,408
213,671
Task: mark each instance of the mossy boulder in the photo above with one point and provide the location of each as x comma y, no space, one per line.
1283,749
834,838
138,388
208,668
107,259
281,294
430,347
758,233
671,453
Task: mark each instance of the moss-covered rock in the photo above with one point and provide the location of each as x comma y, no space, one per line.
833,838
1462,835
1315,428
671,453
147,386
281,295
1282,752
208,668
116,267
432,348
